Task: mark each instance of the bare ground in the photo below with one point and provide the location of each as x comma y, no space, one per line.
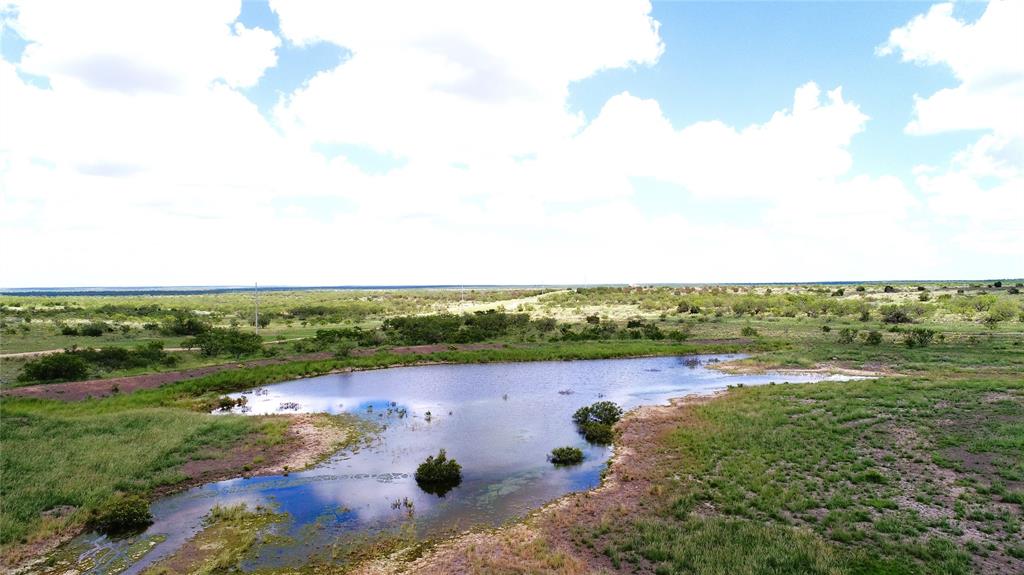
752,366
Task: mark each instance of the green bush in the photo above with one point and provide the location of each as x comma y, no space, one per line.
895,314
566,455
183,323
603,412
595,421
220,341
439,475
873,337
94,329
121,513
599,433
66,366
847,335
748,331
918,337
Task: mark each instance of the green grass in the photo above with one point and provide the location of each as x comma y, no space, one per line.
840,478
69,454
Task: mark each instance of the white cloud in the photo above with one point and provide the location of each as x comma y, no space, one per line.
146,164
984,56
981,191
458,81
170,48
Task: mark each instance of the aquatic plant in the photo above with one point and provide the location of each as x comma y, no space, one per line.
595,421
121,513
604,412
439,475
566,456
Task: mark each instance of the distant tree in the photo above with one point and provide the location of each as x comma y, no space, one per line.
184,323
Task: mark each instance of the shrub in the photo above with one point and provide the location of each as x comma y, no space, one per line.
888,289
1001,310
604,412
895,314
873,337
183,323
825,329
923,296
997,284
566,456
593,319
598,433
847,335
121,513
677,335
94,329
66,366
1013,291
748,331
918,337
220,341
439,475
595,421
839,292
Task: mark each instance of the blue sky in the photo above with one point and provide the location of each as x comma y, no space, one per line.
525,135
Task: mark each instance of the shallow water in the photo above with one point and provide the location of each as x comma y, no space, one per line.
498,420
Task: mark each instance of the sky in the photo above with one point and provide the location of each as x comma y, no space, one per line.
296,142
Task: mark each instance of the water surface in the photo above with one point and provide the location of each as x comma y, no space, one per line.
498,420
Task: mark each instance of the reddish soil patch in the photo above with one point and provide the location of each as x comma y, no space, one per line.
79,390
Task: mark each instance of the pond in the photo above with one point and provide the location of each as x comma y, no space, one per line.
498,420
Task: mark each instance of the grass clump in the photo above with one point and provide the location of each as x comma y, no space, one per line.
566,456
121,513
439,475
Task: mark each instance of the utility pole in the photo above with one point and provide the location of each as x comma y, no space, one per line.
256,288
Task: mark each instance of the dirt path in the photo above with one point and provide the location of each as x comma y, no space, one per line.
546,543
79,390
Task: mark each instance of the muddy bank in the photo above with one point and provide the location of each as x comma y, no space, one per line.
752,366
546,542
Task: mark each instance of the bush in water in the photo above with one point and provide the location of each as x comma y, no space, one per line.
595,421
439,475
604,412
566,456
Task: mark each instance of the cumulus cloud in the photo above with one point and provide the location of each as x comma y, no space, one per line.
984,56
132,47
145,147
982,188
461,80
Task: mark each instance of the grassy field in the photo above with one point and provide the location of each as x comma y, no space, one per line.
915,474
902,475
